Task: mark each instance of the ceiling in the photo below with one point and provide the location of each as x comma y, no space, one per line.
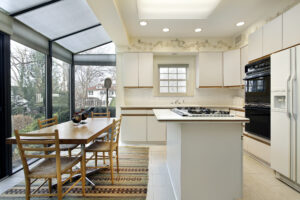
221,22
70,23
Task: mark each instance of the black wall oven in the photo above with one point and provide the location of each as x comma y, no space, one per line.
259,120
257,98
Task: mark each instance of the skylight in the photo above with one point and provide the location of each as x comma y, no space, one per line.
176,9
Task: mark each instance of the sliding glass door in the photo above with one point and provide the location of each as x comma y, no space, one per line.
27,91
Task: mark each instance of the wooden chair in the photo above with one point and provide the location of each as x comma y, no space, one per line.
53,166
53,121
103,136
101,115
108,146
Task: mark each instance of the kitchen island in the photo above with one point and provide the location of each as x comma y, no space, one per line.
204,155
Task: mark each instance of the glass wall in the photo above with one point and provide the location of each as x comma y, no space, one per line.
61,90
89,88
27,91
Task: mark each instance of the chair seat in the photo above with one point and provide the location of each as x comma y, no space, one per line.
66,147
47,168
101,147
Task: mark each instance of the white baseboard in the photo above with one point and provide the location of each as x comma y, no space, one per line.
287,181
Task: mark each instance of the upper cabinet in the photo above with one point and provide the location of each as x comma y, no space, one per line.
272,36
291,28
282,32
130,70
232,67
255,45
209,73
137,70
145,69
244,61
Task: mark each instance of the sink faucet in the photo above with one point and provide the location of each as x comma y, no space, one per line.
177,102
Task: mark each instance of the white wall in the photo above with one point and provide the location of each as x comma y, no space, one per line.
203,96
183,49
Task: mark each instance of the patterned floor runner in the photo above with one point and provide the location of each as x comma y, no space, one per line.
131,183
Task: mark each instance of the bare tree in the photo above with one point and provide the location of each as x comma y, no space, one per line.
89,76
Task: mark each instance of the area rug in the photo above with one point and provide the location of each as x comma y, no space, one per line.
130,184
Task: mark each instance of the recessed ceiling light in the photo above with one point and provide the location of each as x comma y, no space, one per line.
143,23
197,30
240,23
166,30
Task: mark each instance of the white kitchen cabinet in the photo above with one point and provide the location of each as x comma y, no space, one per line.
244,62
272,36
130,70
210,69
134,128
156,131
145,69
232,67
137,70
255,45
291,28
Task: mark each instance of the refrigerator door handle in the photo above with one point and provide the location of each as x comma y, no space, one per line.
295,92
288,94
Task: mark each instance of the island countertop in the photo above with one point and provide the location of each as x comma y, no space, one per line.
166,115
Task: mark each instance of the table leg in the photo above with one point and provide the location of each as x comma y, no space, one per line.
84,165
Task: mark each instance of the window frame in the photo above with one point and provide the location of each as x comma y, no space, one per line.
186,66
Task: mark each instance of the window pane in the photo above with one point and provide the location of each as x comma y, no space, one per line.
27,91
173,83
182,89
164,83
181,70
164,76
181,76
181,83
172,76
173,89
163,90
164,70
89,88
173,70
177,78
60,90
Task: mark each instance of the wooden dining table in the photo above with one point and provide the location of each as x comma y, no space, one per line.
70,133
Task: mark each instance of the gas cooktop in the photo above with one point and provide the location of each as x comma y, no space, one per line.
200,112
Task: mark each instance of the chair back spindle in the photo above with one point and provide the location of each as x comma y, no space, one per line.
100,115
47,122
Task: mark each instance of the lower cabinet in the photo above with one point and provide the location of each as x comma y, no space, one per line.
156,131
143,129
134,128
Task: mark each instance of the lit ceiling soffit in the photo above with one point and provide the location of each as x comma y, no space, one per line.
176,9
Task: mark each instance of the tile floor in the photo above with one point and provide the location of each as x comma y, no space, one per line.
259,180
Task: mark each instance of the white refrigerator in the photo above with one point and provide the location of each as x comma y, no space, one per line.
285,121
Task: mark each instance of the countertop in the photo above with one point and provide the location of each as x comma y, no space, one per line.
150,107
169,116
